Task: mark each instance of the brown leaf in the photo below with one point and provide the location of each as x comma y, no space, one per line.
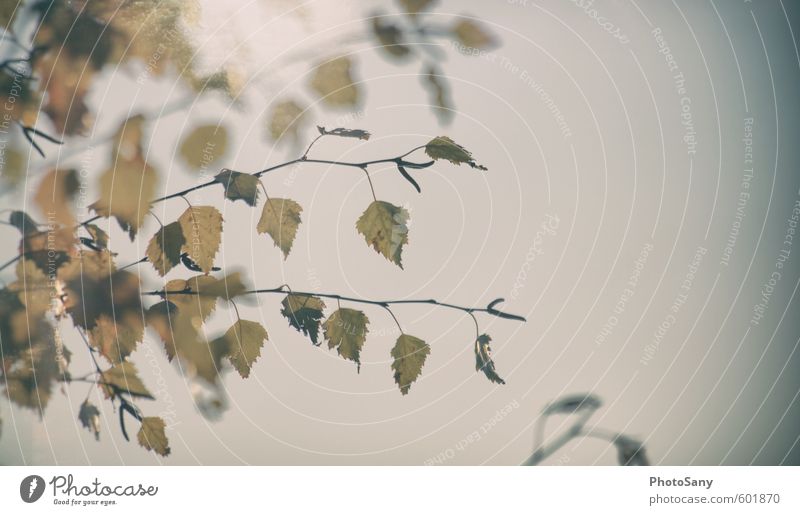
333,82
56,194
152,435
202,231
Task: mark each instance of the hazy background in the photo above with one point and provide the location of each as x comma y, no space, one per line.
717,389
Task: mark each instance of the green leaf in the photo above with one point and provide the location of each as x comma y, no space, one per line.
124,377
483,359
333,82
304,313
243,342
89,416
152,435
202,232
164,248
443,147
204,145
344,133
409,355
384,228
346,330
239,186
280,219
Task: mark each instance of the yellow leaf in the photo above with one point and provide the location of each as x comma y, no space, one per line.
204,145
55,196
115,337
409,355
243,342
152,435
346,330
443,147
239,186
333,82
280,219
304,313
125,193
202,232
472,35
125,378
384,228
286,120
164,248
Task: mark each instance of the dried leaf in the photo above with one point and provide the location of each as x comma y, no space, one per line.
243,342
124,377
409,355
202,231
125,193
346,330
384,228
280,218
116,337
164,248
304,313
483,359
333,82
345,133
89,416
443,147
204,145
239,186
55,196
98,235
152,435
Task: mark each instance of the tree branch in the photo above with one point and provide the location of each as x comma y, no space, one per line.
489,309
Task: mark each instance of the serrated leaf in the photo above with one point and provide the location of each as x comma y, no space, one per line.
384,228
472,35
243,342
346,330
333,82
443,147
280,218
483,359
204,145
202,232
152,435
286,120
89,416
304,313
164,248
116,337
239,186
124,377
345,133
409,355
